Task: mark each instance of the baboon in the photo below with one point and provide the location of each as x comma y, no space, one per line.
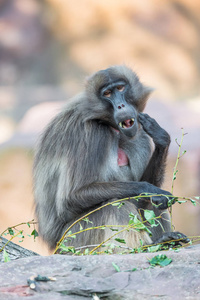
101,147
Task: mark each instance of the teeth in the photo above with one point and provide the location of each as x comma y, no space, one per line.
123,125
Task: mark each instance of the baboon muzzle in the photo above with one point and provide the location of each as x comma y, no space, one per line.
126,120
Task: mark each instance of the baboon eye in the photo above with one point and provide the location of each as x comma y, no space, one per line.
120,88
107,93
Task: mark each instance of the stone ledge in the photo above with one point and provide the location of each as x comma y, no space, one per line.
82,277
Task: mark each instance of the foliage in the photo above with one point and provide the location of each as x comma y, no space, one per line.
116,267
135,222
160,260
13,232
6,257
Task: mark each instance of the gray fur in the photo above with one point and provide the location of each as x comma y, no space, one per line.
76,170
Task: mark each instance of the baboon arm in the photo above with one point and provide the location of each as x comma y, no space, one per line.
96,193
155,170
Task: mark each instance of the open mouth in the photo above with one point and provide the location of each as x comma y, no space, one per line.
127,123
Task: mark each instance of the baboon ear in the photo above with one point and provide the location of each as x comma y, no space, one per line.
145,95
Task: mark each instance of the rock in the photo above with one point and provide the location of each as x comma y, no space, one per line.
87,277
13,250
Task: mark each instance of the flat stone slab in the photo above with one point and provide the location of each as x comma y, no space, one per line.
95,277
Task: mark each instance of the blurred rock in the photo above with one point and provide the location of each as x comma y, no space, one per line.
161,42
26,44
42,42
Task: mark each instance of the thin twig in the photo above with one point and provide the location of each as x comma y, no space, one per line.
175,169
14,236
83,217
23,223
108,239
177,160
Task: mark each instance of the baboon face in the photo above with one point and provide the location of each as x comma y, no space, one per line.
124,114
121,96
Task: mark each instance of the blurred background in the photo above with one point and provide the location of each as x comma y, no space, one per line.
48,47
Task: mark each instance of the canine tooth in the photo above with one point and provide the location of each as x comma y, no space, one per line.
133,119
120,124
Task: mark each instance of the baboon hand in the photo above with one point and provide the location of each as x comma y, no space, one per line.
160,198
153,129
176,237
163,201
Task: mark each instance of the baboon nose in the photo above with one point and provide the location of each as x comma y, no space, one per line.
120,106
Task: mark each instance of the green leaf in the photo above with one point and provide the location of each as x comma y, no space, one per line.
181,201
115,204
131,215
120,240
118,204
11,231
197,197
69,236
108,251
174,175
150,216
161,260
66,249
177,250
138,224
6,257
131,222
154,248
21,234
166,262
134,269
87,220
193,202
116,267
114,229
80,226
28,224
87,251
103,227
34,233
